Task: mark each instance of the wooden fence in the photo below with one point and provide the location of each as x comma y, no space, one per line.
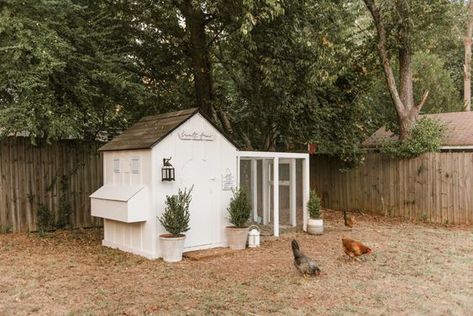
59,176
436,187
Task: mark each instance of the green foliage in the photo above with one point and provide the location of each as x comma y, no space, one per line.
69,72
431,73
159,46
65,208
296,78
176,216
425,137
424,217
314,205
239,208
44,219
5,229
284,73
427,25
65,211
432,33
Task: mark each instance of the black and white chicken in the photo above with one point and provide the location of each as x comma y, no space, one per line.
304,264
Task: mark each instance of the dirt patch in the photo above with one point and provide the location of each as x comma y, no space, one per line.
208,253
414,269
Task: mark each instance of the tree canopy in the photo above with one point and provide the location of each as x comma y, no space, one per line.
274,74
66,70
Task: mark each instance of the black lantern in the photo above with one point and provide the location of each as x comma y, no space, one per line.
167,172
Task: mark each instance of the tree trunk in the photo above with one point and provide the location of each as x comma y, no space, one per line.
467,65
405,78
406,123
403,99
408,117
199,54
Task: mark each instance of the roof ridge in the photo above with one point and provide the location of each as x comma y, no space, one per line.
173,113
151,129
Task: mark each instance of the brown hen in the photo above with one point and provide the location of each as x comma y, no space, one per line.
349,220
354,248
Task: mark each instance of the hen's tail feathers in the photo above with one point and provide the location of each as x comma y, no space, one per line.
295,248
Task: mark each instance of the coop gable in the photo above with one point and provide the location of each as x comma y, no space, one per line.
150,130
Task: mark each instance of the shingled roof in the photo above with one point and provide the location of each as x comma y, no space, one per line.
150,130
459,130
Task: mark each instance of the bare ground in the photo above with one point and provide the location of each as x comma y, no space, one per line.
415,269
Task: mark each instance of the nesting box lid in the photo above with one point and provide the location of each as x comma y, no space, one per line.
116,192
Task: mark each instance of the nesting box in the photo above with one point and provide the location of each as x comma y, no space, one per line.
154,158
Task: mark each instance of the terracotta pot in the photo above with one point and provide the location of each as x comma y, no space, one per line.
237,237
315,226
171,247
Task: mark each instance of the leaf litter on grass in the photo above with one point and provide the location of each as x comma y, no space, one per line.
424,265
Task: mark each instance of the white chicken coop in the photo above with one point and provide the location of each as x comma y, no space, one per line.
162,153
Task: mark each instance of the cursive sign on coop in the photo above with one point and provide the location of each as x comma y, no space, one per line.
196,136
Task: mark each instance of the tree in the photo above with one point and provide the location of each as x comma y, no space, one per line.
402,97
274,74
65,69
437,60
198,50
278,74
467,64
295,78
159,47
188,31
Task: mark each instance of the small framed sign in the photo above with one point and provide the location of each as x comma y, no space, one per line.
228,181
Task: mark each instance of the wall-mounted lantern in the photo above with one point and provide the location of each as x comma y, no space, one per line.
167,171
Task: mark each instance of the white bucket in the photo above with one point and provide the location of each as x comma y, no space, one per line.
315,226
171,247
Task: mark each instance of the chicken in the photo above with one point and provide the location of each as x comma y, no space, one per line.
354,248
304,264
349,220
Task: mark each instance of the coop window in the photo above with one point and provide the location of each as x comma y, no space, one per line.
135,165
116,165
283,172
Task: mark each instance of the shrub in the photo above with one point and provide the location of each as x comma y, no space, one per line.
65,208
5,229
426,136
44,219
65,211
314,205
175,218
239,209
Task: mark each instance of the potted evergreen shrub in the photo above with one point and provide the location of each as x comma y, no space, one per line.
239,212
175,220
315,226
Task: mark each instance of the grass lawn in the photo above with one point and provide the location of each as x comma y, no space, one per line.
415,269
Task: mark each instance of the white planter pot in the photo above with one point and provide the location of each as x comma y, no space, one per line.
171,247
315,226
236,237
